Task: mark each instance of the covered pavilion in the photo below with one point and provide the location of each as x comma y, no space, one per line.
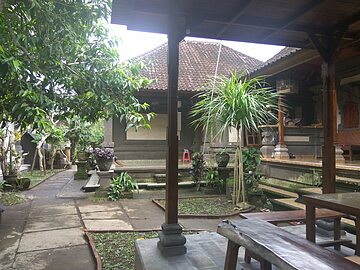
326,25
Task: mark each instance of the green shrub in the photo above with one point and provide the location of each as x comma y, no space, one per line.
212,179
120,184
197,167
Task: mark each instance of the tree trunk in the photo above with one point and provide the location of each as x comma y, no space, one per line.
239,184
52,157
41,164
33,162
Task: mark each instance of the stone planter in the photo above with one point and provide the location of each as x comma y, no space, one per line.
82,156
222,159
104,164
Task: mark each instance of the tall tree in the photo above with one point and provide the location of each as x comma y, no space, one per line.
238,102
56,57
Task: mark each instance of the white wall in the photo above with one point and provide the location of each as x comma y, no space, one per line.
156,133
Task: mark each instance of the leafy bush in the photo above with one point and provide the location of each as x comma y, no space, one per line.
106,153
197,167
212,179
120,184
251,161
313,178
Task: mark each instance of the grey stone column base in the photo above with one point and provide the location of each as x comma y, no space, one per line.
172,241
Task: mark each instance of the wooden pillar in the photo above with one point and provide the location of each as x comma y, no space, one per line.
281,151
281,125
171,213
171,240
327,44
329,124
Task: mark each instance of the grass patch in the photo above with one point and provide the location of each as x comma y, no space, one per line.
37,176
204,206
11,197
117,249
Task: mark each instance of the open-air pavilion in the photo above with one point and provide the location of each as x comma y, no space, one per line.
327,26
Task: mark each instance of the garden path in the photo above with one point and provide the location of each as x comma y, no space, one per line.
46,231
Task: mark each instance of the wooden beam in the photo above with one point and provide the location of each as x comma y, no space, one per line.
238,13
175,34
281,124
293,17
327,45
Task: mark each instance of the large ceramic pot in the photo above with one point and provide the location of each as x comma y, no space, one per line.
222,159
104,164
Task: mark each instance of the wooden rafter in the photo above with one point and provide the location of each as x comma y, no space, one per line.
238,13
293,17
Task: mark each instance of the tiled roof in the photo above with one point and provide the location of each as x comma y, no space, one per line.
197,64
280,55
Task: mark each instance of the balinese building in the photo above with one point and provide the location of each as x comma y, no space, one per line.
295,145
197,65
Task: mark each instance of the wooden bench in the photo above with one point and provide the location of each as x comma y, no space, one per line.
299,216
292,216
277,247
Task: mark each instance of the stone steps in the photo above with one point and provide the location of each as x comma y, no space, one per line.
93,182
278,191
289,203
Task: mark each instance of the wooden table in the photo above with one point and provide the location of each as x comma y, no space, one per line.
348,203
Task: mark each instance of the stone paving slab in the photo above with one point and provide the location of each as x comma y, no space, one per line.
205,251
52,223
99,207
54,259
200,223
107,224
9,242
142,209
73,190
53,210
54,239
147,224
105,215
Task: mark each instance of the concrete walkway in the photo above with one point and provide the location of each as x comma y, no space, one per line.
46,231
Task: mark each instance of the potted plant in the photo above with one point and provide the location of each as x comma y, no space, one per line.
122,186
222,158
214,185
239,102
104,158
197,168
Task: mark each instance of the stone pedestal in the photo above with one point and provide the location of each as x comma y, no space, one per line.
281,152
268,141
172,241
105,181
339,158
81,172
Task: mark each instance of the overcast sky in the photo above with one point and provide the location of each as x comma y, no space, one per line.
135,43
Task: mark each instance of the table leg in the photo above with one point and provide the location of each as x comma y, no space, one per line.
310,223
231,256
357,225
337,232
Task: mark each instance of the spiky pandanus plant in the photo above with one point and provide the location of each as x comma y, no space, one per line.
238,102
